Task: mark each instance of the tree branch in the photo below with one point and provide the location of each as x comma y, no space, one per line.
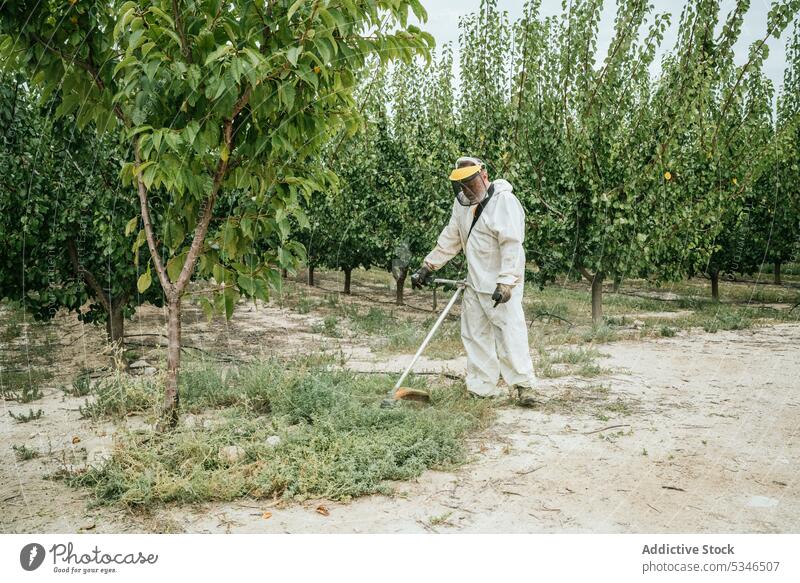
168,288
187,53
586,274
88,276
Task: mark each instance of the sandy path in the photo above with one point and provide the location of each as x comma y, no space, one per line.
709,443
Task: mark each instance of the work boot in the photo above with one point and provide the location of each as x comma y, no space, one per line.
527,397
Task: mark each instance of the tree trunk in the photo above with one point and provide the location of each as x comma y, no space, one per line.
310,275
778,273
597,298
347,274
597,293
115,324
284,273
715,284
617,283
401,281
170,413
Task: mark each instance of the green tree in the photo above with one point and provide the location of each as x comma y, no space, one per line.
63,214
725,141
212,97
631,176
582,140
783,239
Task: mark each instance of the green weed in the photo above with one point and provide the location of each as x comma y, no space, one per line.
27,417
122,395
336,441
24,453
81,385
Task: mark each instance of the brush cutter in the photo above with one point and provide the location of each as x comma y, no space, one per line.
400,393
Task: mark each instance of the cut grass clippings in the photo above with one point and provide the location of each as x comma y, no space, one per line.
333,439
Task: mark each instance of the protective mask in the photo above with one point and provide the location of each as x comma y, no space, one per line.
468,184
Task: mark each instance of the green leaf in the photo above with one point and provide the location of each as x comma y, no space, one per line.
246,284
161,14
144,281
208,308
293,53
293,8
175,266
288,94
126,62
231,297
140,240
218,53
131,226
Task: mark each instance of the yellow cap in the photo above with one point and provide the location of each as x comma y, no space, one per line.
464,172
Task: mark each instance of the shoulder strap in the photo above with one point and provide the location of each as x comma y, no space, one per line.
479,209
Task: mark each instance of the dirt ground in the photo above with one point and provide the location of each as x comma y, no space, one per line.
692,433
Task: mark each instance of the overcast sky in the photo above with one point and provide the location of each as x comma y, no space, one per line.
443,24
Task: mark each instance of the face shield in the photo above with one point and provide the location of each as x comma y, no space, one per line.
468,185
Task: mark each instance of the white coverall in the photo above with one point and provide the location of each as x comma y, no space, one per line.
495,339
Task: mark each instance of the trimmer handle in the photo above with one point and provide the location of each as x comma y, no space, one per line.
497,296
455,282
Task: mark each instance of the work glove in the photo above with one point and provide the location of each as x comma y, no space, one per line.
502,293
421,277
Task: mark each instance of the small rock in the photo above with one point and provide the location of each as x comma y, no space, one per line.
190,421
638,323
139,364
98,457
273,441
149,371
231,454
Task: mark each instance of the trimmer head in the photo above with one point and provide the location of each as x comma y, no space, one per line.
406,394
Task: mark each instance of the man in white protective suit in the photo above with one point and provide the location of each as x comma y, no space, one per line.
488,224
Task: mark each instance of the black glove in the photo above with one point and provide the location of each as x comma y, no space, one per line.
502,293
421,277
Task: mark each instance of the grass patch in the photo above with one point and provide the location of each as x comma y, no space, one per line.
23,385
570,361
24,453
667,331
622,302
304,305
599,333
331,300
373,321
328,327
335,440
27,417
81,385
122,395
27,350
576,355
726,318
576,399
